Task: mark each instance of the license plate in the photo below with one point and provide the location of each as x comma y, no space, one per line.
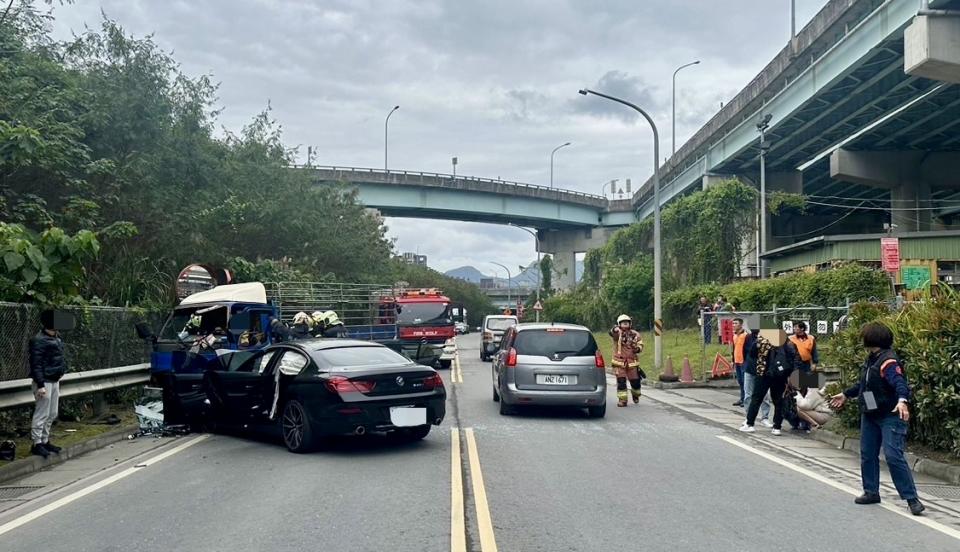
408,416
556,379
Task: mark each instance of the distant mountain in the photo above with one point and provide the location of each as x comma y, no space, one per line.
467,273
525,278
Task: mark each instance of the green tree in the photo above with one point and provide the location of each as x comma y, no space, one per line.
46,268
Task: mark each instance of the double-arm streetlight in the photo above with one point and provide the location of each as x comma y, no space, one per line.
673,109
657,266
386,127
552,153
509,281
539,274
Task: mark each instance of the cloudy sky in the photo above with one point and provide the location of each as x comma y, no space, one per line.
492,82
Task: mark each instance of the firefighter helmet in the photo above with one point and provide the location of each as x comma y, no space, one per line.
624,318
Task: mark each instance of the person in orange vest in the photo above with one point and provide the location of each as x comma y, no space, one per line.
806,346
741,353
627,345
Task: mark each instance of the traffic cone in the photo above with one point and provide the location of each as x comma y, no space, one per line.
686,376
668,374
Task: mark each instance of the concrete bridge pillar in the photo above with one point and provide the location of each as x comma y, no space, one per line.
564,246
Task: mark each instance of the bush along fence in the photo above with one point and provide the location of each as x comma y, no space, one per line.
927,338
103,338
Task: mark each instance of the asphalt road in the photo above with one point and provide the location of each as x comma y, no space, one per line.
644,477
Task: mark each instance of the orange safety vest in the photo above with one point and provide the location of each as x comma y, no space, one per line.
804,347
739,340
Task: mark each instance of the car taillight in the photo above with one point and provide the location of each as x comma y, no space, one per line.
599,360
340,384
433,382
512,357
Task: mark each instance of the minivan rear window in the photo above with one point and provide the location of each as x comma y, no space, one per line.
549,343
500,324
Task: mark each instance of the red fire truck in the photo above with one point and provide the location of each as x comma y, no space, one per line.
425,325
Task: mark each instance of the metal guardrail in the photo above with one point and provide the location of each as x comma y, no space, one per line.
449,176
19,392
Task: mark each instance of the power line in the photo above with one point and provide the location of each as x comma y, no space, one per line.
851,211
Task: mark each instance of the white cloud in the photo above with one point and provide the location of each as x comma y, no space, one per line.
492,82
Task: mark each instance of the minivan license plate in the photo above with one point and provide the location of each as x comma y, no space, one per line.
556,379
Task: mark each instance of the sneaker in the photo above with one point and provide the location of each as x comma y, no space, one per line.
52,448
40,450
766,423
738,403
916,507
868,498
775,432
747,428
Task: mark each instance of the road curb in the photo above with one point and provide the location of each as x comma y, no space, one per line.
712,384
31,464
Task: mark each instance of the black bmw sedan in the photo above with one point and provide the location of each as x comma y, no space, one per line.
318,388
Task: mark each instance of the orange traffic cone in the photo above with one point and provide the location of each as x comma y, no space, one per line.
686,376
668,374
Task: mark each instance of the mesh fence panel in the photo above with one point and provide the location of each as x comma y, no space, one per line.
104,337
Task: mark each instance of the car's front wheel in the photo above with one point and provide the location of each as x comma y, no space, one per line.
295,425
445,364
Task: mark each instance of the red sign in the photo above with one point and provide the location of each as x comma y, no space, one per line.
890,254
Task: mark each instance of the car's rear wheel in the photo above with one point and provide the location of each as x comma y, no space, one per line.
597,411
496,395
505,409
484,358
295,425
445,364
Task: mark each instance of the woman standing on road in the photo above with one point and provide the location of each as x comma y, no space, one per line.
884,395
627,345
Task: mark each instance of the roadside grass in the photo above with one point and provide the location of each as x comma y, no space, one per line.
676,344
65,434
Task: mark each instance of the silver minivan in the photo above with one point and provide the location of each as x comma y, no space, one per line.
550,365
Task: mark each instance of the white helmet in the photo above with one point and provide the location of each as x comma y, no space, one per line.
317,316
301,318
624,318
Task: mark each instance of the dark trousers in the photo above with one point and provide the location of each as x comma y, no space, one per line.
738,368
776,386
890,432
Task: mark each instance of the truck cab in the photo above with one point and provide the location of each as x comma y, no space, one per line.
425,326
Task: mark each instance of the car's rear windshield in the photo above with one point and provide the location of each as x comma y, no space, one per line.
501,324
345,357
553,341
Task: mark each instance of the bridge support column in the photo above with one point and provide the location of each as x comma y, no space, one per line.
564,246
932,48
910,177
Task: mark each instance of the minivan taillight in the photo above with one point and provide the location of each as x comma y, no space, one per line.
599,360
512,357
340,384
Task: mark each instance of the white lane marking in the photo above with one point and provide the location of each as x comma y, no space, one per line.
458,526
949,531
44,510
488,543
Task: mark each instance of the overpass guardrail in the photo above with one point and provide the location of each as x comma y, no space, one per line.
19,392
390,172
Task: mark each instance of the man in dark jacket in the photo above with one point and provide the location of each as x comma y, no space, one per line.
47,366
884,395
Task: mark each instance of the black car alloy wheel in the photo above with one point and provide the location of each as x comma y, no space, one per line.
297,435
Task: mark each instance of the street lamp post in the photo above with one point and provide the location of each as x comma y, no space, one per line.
612,184
509,281
673,109
762,127
552,153
657,253
386,127
539,274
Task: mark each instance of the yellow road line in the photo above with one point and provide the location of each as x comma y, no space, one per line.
487,541
457,370
946,530
458,528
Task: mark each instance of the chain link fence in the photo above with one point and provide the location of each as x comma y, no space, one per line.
104,337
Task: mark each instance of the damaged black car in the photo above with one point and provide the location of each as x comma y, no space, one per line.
314,389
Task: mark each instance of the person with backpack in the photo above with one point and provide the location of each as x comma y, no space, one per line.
777,358
883,395
47,365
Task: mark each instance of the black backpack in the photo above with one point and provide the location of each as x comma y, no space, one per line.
779,364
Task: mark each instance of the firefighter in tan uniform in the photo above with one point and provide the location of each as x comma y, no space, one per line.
627,345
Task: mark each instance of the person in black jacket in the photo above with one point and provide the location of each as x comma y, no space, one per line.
47,366
775,363
884,396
